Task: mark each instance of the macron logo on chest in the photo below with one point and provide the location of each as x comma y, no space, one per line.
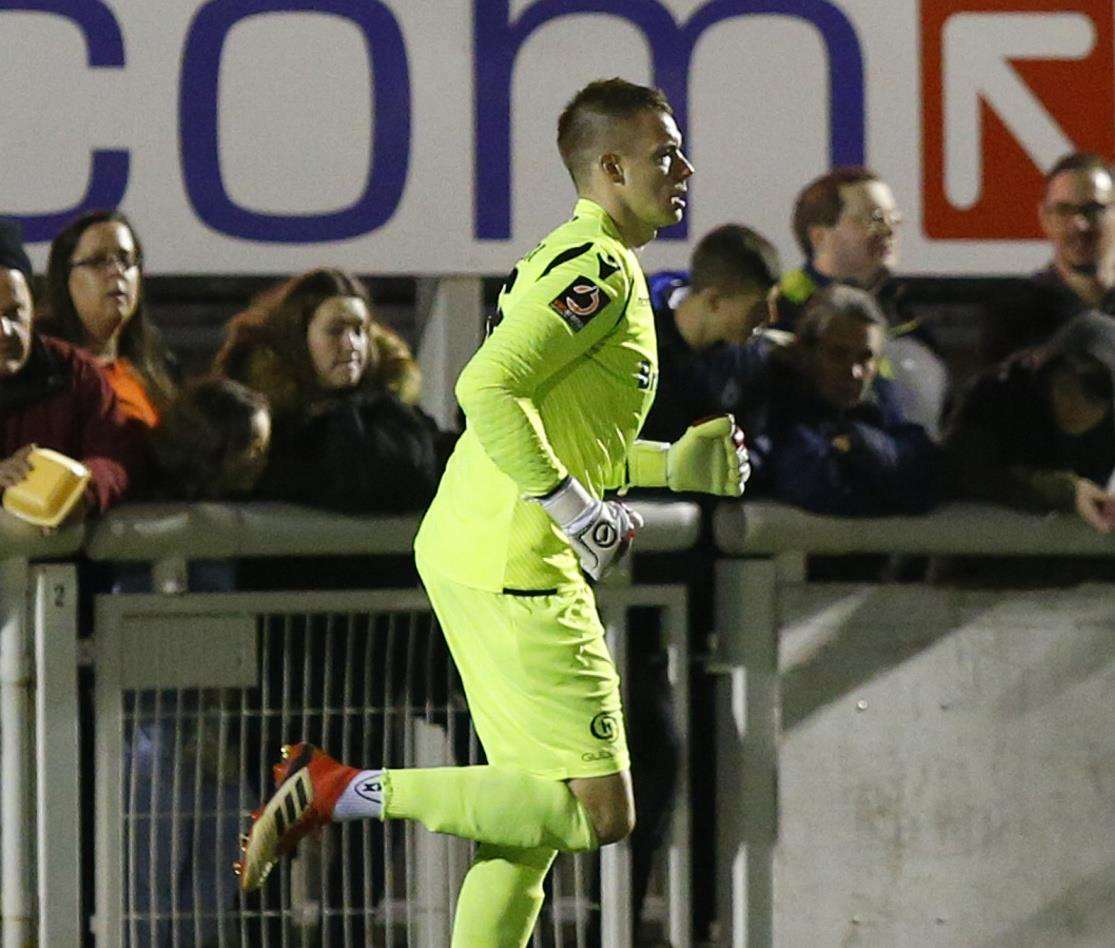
1008,87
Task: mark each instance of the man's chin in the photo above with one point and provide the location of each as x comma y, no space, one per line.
670,217
885,262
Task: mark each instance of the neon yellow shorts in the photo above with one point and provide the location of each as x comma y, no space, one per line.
542,689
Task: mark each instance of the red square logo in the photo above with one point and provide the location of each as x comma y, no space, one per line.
1008,86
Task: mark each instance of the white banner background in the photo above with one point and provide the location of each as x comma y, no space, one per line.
295,115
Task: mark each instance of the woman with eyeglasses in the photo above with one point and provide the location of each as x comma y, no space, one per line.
94,300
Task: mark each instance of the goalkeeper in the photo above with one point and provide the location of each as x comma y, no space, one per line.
554,400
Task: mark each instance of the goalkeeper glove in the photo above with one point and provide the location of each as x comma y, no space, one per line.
710,457
600,531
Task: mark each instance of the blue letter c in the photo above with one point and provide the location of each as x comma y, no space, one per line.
108,177
197,111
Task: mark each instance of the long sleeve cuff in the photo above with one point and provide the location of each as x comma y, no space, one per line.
646,464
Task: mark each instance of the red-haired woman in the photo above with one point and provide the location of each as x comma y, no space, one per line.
346,434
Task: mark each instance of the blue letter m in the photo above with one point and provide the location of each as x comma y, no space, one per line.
498,41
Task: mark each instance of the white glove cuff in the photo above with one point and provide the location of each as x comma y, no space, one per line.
571,506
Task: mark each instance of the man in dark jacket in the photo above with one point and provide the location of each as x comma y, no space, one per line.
52,396
1077,217
829,435
702,320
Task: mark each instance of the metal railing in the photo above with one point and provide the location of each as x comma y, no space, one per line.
194,693
190,719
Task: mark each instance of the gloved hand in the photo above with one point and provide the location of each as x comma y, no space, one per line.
600,531
710,457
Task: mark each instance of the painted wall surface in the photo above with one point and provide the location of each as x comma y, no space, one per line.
947,768
417,136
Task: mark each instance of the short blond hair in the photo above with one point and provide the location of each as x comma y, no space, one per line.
596,108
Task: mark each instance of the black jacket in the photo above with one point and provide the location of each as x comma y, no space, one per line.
1004,444
359,453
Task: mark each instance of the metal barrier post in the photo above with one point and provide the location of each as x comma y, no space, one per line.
16,900
438,858
617,921
56,716
747,750
675,622
615,860
108,823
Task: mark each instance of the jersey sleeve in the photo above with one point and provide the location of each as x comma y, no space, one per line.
553,314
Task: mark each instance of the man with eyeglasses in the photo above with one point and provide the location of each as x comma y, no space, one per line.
846,223
1076,215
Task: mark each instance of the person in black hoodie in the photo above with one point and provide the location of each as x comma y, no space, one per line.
1037,432
703,319
345,432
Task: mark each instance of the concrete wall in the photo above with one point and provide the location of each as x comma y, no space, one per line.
947,768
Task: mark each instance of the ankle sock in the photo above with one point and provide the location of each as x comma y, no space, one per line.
362,799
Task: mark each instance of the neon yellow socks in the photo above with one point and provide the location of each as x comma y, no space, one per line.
490,805
501,897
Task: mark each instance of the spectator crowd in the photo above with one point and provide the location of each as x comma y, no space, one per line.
849,408
309,400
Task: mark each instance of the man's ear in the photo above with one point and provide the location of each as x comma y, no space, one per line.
1044,220
612,165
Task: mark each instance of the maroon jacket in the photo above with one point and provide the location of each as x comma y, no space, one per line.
61,400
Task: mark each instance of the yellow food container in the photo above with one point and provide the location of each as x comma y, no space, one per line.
47,495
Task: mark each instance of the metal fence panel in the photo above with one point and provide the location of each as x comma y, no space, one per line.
181,763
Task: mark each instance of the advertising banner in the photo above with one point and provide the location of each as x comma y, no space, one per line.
417,136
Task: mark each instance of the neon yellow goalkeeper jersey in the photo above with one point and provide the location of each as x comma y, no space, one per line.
560,386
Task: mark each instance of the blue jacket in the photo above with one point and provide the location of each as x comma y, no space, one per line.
692,384
890,466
